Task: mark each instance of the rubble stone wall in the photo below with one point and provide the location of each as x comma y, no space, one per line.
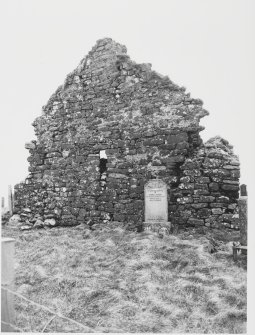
209,186
147,126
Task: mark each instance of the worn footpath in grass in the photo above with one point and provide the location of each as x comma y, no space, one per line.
112,280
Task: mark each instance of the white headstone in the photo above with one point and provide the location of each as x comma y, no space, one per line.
156,205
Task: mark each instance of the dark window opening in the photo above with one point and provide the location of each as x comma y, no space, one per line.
103,168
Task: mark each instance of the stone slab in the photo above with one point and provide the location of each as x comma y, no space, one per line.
243,219
156,205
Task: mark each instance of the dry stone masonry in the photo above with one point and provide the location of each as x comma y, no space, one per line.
208,189
109,129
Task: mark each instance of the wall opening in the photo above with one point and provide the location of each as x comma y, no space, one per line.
103,168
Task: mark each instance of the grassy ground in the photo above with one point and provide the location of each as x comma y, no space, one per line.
118,281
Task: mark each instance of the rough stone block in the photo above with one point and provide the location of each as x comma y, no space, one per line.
229,187
203,213
214,186
217,211
195,222
204,198
199,205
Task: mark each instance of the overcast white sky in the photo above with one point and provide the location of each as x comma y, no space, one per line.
206,46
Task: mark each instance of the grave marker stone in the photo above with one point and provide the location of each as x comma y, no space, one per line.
10,200
243,215
243,190
156,205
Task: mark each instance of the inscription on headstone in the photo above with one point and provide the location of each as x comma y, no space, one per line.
156,204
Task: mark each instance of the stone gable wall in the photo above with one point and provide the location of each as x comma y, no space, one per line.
148,127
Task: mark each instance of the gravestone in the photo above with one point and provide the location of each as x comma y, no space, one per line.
243,190
156,206
243,215
10,200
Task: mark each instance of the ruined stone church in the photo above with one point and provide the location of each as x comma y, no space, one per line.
110,128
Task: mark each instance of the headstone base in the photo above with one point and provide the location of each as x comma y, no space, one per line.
157,227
